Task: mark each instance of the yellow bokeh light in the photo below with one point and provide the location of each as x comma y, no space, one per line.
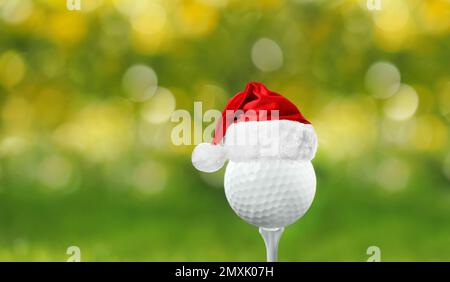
159,108
66,28
12,68
129,8
149,21
216,3
15,11
211,95
346,128
196,18
17,115
395,41
394,26
265,4
393,16
429,133
157,42
101,132
403,104
434,15
151,30
50,106
91,5
427,99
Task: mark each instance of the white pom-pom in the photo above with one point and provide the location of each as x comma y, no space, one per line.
208,157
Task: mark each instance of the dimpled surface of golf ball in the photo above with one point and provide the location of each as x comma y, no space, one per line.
271,193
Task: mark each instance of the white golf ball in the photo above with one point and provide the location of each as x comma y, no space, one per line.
270,194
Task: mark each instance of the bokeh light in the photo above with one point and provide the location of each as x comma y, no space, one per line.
160,107
403,104
393,16
393,174
140,82
154,135
267,55
66,29
346,128
15,11
196,18
101,132
212,96
149,177
394,27
12,68
150,20
54,172
91,5
17,115
433,16
429,133
397,132
12,145
382,79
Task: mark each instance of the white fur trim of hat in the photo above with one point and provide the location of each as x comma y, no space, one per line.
258,140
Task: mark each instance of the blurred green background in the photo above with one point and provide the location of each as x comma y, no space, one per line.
86,98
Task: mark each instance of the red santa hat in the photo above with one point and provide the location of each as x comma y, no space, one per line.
257,124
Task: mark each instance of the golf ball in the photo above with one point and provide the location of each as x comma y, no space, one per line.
272,193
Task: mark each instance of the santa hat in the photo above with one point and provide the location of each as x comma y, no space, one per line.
257,124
